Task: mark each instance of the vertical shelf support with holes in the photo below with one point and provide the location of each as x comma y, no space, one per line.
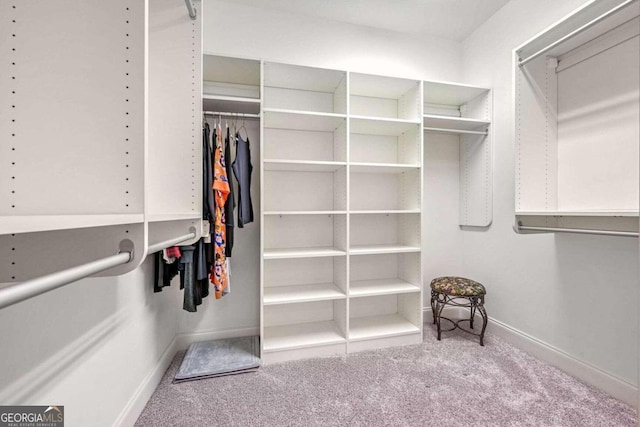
462,114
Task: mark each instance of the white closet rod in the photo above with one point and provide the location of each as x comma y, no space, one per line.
574,33
579,231
470,132
31,288
191,9
229,114
164,245
22,291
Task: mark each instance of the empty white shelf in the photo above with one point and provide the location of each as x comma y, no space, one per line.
302,165
450,93
382,167
381,126
365,288
382,249
275,118
173,216
301,335
385,211
454,123
35,223
301,293
278,213
605,213
301,77
302,252
362,328
225,103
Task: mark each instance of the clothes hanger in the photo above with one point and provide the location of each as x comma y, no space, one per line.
245,131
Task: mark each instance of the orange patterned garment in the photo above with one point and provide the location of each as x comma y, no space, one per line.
221,191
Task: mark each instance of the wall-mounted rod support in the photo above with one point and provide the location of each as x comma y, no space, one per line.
574,33
578,231
164,245
191,8
229,114
466,132
22,291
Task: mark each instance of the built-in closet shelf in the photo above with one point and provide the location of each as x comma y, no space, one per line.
440,93
275,118
382,249
35,223
385,212
381,126
233,104
302,165
301,335
366,288
281,213
173,217
382,167
302,253
446,123
362,328
604,213
302,293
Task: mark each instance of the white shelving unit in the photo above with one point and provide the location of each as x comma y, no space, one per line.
332,142
577,122
462,114
100,189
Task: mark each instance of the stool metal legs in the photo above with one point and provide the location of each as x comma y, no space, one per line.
476,303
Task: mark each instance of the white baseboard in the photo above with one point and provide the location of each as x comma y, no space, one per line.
137,402
583,371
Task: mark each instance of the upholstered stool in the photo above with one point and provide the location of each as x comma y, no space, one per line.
448,291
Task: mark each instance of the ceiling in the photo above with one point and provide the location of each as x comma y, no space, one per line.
450,19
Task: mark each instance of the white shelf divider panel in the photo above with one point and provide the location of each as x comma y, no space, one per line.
381,168
302,120
174,200
303,252
454,123
302,293
367,288
302,165
382,249
37,223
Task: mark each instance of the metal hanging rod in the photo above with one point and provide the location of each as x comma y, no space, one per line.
22,291
191,8
164,245
229,114
579,231
574,33
469,132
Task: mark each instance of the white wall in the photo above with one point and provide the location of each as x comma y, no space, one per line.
576,293
87,346
239,30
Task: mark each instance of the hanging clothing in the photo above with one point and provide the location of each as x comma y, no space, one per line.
221,192
208,209
231,201
187,279
242,169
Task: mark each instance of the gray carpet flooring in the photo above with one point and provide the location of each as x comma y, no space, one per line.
454,382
